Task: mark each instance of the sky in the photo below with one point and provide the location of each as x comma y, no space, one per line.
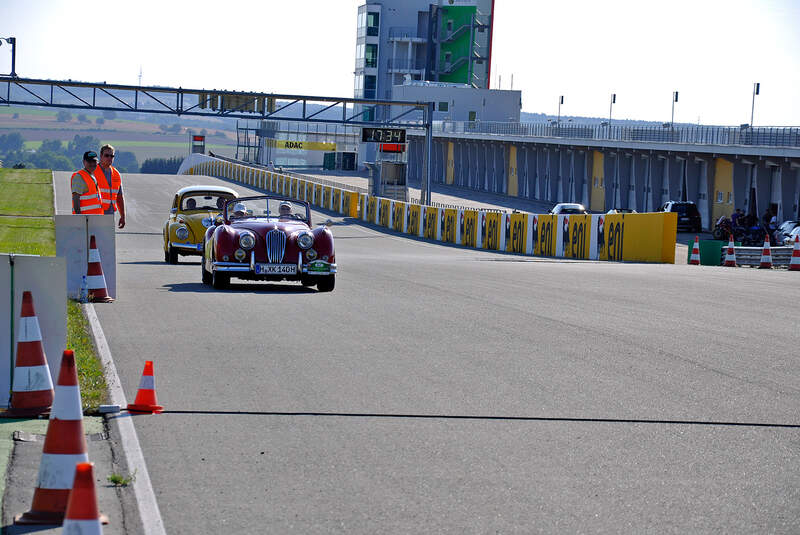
710,51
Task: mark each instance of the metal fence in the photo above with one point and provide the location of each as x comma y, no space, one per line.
698,135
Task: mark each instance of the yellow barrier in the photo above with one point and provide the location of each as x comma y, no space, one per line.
640,237
385,212
576,237
469,231
413,217
517,240
398,216
372,209
449,225
491,237
431,223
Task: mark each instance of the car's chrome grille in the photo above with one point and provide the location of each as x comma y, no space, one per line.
276,243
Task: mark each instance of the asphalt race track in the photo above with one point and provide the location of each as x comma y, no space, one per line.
440,389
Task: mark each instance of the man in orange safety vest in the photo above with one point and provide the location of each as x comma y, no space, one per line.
85,193
109,183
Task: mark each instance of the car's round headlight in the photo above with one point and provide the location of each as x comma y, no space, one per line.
182,233
247,240
305,240
208,221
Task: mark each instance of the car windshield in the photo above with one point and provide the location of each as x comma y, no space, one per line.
685,209
267,207
202,200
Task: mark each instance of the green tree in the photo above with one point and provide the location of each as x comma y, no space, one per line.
63,116
51,145
11,142
82,118
99,121
126,162
81,144
110,115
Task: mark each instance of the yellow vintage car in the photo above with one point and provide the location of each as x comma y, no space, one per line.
194,209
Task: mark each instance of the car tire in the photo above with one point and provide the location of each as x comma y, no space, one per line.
307,281
326,283
206,277
171,256
220,280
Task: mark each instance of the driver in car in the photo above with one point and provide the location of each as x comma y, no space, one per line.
285,209
239,210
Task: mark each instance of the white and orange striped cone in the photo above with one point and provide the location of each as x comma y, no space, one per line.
766,255
94,276
146,396
83,516
64,446
730,255
32,393
794,263
695,258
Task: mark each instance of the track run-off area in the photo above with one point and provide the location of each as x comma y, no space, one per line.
453,390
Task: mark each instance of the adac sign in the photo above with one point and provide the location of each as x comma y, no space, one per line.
301,145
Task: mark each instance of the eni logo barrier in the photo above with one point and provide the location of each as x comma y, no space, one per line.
517,242
449,218
384,214
431,223
547,238
398,216
372,208
576,244
469,234
413,219
491,238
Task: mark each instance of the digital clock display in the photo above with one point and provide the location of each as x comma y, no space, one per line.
383,135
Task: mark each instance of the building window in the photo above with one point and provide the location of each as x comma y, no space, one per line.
719,197
371,56
473,115
730,197
368,113
449,26
443,106
372,24
369,86
448,56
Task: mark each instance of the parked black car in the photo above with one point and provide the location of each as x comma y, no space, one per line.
688,214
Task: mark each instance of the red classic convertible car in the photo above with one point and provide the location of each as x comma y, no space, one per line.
268,238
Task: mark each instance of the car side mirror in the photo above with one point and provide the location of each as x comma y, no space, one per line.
218,220
174,211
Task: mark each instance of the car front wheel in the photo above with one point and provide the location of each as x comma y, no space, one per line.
326,283
206,277
220,279
171,256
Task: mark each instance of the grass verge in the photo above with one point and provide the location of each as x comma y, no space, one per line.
27,227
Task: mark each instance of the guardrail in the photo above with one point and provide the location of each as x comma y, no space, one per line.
697,135
751,256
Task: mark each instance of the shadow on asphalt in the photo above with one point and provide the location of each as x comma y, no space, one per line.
242,287
487,418
15,529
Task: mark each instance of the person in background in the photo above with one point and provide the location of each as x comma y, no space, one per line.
109,182
735,217
85,193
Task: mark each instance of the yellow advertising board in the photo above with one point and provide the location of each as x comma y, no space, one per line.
398,216
491,234
449,225
469,228
301,145
576,236
431,222
638,237
517,239
372,209
385,212
294,188
414,217
545,244
326,197
336,200
318,194
350,203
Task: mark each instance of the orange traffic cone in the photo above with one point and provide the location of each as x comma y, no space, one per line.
730,255
32,393
766,255
95,277
146,396
83,516
64,445
794,264
695,258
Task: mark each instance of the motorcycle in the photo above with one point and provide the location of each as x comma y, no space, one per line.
723,230
754,236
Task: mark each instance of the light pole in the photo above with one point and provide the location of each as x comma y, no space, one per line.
613,101
560,102
756,89
674,100
13,42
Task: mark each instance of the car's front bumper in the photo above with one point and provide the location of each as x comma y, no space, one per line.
187,247
313,268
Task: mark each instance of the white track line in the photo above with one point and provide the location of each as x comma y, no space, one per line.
149,514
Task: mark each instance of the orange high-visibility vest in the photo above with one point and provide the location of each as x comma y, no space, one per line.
90,201
108,193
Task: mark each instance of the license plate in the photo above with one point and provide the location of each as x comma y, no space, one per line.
319,266
276,269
